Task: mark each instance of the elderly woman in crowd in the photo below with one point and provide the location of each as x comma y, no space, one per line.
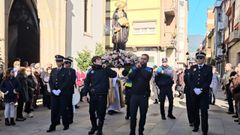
235,89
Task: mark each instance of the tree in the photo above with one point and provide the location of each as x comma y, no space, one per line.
83,60
99,51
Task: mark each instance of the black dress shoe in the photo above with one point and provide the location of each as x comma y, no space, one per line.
171,116
20,119
195,130
99,133
235,116
236,120
93,130
132,133
163,118
66,128
230,112
126,117
51,129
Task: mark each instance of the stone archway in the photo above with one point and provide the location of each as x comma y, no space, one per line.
23,32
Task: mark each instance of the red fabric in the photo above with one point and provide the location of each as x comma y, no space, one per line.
80,78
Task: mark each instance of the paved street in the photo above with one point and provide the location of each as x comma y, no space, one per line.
220,123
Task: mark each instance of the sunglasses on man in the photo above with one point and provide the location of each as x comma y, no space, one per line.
200,58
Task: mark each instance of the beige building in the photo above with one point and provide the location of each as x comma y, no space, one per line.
209,48
157,27
37,30
231,38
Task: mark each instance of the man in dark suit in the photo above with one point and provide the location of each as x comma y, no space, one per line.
188,93
72,75
59,83
201,77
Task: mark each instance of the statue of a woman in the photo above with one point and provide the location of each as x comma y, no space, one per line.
120,26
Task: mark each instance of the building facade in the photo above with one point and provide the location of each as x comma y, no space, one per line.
153,29
231,33
37,30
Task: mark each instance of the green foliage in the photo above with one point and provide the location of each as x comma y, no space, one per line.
100,50
83,60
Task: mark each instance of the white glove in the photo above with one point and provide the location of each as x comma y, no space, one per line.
197,91
59,91
55,92
14,91
6,93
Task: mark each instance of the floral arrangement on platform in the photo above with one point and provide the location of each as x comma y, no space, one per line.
119,59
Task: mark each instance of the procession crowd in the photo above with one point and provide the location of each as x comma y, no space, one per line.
197,82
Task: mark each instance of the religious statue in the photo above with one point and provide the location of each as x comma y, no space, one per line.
120,26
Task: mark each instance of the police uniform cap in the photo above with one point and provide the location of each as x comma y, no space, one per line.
200,54
59,58
68,60
164,60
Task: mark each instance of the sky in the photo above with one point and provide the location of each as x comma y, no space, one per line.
197,16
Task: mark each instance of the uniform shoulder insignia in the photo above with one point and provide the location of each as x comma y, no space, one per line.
90,71
148,69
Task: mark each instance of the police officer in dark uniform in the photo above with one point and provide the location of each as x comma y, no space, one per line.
140,76
164,81
188,93
97,85
201,78
59,83
72,75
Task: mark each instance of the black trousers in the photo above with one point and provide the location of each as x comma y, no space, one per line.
127,101
166,92
97,105
59,108
189,106
230,100
70,108
141,102
28,104
20,107
201,102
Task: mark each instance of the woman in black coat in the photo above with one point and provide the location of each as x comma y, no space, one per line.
9,86
23,93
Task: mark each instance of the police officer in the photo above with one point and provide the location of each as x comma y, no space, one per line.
72,75
58,83
97,85
140,77
164,81
188,93
201,77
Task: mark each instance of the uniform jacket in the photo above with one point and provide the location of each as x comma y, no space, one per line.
201,78
9,85
72,80
97,80
140,78
59,80
187,81
164,77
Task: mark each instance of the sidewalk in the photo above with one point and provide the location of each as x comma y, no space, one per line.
220,123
